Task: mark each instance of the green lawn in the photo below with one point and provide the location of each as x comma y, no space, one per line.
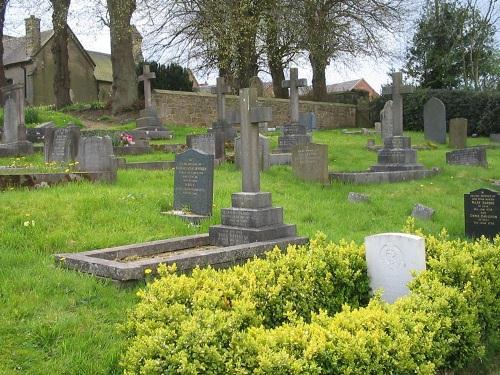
54,321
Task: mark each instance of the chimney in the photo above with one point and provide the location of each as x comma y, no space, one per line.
33,36
136,45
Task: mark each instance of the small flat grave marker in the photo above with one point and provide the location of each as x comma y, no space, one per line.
193,182
391,258
482,213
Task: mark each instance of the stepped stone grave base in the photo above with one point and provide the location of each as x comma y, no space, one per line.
382,177
128,263
397,155
16,148
37,180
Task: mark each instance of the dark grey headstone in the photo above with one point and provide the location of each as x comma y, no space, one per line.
468,156
422,212
194,181
435,121
310,162
482,213
202,142
95,154
308,119
61,144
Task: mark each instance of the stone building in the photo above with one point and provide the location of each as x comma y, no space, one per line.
354,85
28,60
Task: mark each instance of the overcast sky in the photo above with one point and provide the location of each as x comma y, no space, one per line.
96,38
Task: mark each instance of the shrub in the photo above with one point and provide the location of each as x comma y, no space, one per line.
480,108
306,312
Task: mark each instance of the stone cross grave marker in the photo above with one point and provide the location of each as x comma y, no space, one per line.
482,213
61,144
386,117
221,89
264,156
293,84
310,162
435,121
458,133
194,182
396,90
146,77
391,258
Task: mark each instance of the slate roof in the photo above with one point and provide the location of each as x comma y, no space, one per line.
103,68
342,86
15,48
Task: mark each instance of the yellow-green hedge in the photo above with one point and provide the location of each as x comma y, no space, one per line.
307,312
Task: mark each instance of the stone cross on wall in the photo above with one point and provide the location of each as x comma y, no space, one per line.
293,84
221,90
250,117
147,76
396,90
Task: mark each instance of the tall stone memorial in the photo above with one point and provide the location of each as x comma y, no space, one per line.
482,213
251,217
294,133
14,141
397,154
148,122
435,121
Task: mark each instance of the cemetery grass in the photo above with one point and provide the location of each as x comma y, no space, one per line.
55,321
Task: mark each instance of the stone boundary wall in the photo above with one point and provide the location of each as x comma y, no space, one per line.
199,109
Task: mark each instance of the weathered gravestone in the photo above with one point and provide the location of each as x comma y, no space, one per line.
422,212
194,182
61,144
391,258
482,213
14,131
251,217
458,133
308,119
435,121
202,142
37,134
468,156
264,157
310,162
95,154
294,133
386,120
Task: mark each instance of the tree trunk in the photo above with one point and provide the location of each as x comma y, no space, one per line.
278,76
3,7
318,66
60,52
124,92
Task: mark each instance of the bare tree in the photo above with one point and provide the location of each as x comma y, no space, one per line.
124,89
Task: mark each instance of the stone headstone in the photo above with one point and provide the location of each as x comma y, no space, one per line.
435,121
61,144
482,213
95,154
467,156
10,121
378,127
264,157
308,119
193,182
202,142
396,90
458,133
495,137
310,162
386,120
357,197
391,258
256,83
422,212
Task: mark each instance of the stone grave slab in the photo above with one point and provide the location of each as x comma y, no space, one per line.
468,156
482,213
310,162
458,133
194,182
391,258
435,121
61,144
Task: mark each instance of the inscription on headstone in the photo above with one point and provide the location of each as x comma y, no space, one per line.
310,162
467,156
482,213
193,182
435,121
391,258
61,144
